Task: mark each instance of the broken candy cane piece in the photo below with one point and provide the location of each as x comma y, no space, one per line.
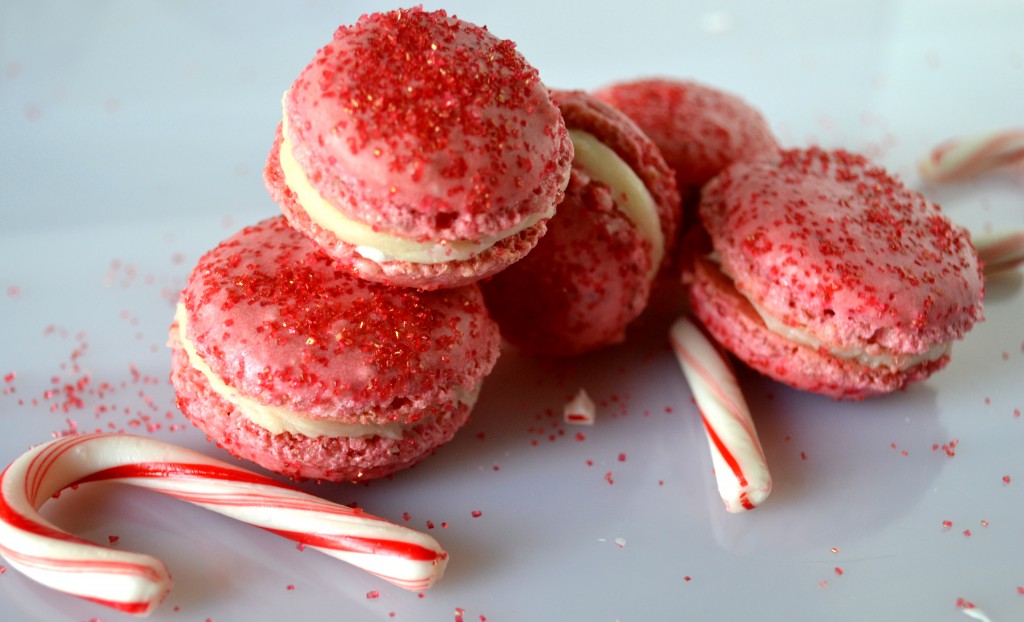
580,409
959,159
137,583
1000,252
740,467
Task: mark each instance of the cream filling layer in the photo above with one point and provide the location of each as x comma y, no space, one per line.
278,420
884,358
634,199
374,245
859,356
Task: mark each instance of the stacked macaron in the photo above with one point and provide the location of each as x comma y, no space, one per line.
348,339
592,273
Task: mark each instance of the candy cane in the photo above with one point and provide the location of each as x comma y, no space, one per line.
1000,252
956,160
137,583
740,467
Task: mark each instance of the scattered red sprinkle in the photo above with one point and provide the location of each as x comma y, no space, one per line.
1020,589
984,523
803,455
3,569
9,377
946,524
967,533
835,550
406,516
608,477
430,524
300,547
839,571
590,463
372,594
459,613
964,604
444,525
476,513
113,539
580,436
687,578
622,457
1006,479
290,587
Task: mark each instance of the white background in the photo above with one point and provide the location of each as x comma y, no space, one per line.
132,139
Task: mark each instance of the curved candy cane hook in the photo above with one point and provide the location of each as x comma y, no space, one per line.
137,583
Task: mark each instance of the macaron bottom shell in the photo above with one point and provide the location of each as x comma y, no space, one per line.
299,456
733,322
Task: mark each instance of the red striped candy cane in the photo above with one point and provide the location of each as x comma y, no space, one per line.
741,470
956,160
137,583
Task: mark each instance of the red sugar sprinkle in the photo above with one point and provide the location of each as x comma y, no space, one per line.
964,604
608,477
300,547
984,523
406,516
803,455
580,436
290,587
430,524
687,578
590,463
113,539
9,378
1020,589
459,613
967,533
622,457
839,571
372,594
476,513
1006,479
946,524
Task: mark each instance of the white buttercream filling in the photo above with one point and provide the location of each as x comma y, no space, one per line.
632,196
278,420
884,358
377,246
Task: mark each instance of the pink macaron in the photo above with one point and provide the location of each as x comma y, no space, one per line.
285,359
419,150
825,272
699,129
592,273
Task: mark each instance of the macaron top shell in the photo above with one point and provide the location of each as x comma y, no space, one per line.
427,127
584,112
699,129
829,243
278,321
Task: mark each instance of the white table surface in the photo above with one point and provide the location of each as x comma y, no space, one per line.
132,139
